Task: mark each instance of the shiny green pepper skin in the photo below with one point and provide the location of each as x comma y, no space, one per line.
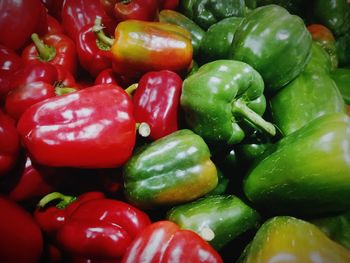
320,60
172,170
218,219
222,97
341,76
306,172
275,43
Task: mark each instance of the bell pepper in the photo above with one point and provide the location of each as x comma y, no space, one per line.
19,19
275,43
157,101
341,76
108,76
300,102
208,12
223,97
10,145
91,128
217,219
288,239
324,37
54,8
251,4
144,10
93,55
164,241
139,47
306,172
218,39
176,18
169,4
171,170
334,14
320,60
343,49
221,187
20,237
91,226
295,7
57,49
53,26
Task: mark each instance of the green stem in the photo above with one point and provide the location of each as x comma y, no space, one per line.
130,90
46,52
98,30
64,200
64,90
239,107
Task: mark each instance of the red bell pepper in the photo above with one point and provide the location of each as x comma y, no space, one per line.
78,13
92,128
93,55
53,26
121,10
54,7
19,19
164,241
57,49
21,239
156,102
169,4
9,141
108,76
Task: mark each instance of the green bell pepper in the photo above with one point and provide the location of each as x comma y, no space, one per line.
306,172
343,49
218,219
341,76
307,97
334,14
251,4
222,185
288,239
320,60
176,18
217,41
223,97
172,170
208,12
275,43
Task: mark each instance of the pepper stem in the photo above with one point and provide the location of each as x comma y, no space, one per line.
46,52
240,107
130,90
143,129
64,200
207,234
101,36
59,91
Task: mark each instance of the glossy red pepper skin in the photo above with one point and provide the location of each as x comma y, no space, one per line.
19,19
21,238
53,26
93,57
54,7
78,13
102,229
90,128
9,141
65,52
164,241
156,102
107,76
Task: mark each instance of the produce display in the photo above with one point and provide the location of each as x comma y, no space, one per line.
169,131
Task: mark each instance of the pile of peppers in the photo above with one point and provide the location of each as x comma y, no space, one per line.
174,131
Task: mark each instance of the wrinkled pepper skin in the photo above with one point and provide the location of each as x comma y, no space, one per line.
306,172
174,169
176,18
157,101
217,41
300,102
275,43
288,239
334,14
20,237
165,242
341,76
222,97
226,217
141,46
91,128
208,12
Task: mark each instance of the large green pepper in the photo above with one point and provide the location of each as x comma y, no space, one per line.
275,43
334,14
285,239
221,98
173,17
172,170
218,219
307,97
320,60
306,172
208,12
217,41
341,76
